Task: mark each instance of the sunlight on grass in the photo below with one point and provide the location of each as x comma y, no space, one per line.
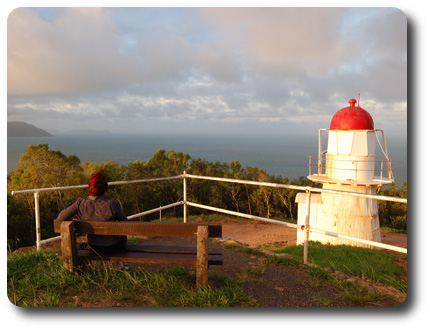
38,279
376,265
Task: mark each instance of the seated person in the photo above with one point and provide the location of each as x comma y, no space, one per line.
96,207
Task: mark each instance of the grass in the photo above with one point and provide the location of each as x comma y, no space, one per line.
376,265
251,273
392,230
133,240
349,291
37,279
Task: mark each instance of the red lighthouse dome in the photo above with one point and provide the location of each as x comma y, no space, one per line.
352,118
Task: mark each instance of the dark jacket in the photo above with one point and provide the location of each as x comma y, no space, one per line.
96,208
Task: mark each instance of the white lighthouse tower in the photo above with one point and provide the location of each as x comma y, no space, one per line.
350,166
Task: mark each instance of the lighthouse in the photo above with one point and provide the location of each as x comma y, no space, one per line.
349,164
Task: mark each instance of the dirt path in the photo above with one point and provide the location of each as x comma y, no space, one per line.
257,233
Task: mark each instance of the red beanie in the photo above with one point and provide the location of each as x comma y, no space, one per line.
98,184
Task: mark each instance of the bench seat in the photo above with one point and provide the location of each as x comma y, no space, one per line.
170,249
151,257
201,256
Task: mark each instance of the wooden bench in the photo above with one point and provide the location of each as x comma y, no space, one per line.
201,255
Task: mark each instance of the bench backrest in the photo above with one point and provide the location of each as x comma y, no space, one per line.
134,228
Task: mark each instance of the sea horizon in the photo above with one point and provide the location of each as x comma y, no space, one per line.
279,155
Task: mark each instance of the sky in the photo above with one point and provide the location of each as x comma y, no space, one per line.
205,70
306,68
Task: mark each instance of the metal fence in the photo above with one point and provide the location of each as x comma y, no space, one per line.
306,228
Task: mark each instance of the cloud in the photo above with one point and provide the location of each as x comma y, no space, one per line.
75,52
282,40
211,65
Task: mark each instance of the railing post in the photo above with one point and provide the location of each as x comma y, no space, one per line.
37,216
306,228
389,170
320,152
185,196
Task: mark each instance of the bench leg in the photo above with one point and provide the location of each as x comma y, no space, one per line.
68,246
202,256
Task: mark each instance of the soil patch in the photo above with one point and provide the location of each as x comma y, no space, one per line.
257,233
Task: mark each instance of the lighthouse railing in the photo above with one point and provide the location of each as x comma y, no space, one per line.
322,158
306,228
354,168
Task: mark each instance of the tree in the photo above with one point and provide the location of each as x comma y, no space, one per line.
250,174
199,190
40,167
20,223
145,196
394,215
286,198
135,196
236,172
264,193
110,169
259,197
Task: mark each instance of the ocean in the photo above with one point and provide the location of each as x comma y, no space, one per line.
287,156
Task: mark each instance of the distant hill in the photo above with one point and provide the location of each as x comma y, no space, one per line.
22,129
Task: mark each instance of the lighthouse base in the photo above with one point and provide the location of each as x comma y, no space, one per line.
347,215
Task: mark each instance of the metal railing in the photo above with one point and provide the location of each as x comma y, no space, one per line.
386,165
306,227
383,166
36,193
